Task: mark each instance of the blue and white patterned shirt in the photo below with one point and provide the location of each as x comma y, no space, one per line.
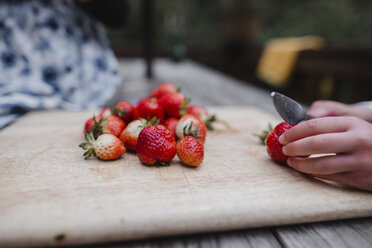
52,55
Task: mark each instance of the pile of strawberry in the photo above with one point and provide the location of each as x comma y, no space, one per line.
159,127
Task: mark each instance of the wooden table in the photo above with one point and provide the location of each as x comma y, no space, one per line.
208,87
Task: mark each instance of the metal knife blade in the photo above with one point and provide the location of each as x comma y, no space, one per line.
290,110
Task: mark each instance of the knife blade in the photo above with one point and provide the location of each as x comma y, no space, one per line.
290,110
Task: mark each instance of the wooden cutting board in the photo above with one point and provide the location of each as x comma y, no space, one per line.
50,195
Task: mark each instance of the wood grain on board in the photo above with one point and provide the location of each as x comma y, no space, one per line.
50,195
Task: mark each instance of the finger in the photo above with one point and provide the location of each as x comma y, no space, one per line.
321,112
349,178
331,164
321,144
327,108
314,127
343,178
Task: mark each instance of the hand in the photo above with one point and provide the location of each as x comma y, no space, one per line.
348,138
331,108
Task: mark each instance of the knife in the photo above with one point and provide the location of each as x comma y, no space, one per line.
290,110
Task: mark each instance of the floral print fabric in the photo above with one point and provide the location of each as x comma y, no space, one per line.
52,55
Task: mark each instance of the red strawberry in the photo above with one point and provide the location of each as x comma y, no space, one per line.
171,124
174,104
190,151
190,125
129,136
124,110
106,147
147,109
156,145
89,125
144,99
162,90
273,147
204,116
105,112
108,125
199,112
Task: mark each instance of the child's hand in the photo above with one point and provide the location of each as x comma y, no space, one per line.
350,138
331,108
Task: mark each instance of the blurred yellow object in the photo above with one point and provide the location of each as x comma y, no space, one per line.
280,55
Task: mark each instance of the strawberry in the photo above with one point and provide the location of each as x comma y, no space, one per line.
89,124
190,151
129,136
190,125
106,147
204,116
124,110
156,145
273,147
198,111
174,104
108,125
147,109
171,124
105,112
162,90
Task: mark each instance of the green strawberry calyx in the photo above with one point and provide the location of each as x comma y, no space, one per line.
213,119
189,131
88,145
149,122
119,112
265,133
209,121
98,127
183,107
162,163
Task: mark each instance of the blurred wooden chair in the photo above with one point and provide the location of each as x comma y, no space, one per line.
342,73
279,57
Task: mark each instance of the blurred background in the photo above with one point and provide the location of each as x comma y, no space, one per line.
307,49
